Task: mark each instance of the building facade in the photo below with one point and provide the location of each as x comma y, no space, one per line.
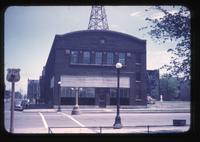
33,91
85,61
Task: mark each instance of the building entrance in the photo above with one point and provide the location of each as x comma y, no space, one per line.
102,94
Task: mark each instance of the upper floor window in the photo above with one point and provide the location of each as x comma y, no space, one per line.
110,58
98,58
137,58
86,57
138,93
74,57
138,76
122,58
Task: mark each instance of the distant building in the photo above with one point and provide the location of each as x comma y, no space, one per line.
153,84
33,91
43,96
185,90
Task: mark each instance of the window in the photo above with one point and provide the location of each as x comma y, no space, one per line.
137,58
124,93
86,57
113,93
87,93
110,58
98,58
74,57
67,92
138,76
122,58
138,96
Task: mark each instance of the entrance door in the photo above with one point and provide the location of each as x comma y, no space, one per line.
101,93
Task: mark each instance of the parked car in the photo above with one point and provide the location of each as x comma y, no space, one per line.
18,105
150,100
25,103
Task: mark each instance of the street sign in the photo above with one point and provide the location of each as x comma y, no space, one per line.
13,75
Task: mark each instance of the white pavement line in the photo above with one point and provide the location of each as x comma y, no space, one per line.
73,119
43,120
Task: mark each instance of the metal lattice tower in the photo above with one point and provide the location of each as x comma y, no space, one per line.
98,20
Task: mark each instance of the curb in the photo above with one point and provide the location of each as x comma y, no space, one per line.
112,111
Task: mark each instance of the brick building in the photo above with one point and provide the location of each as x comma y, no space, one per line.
86,60
33,91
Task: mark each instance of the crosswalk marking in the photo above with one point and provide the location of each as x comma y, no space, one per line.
73,119
43,120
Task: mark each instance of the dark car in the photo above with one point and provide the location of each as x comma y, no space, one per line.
18,105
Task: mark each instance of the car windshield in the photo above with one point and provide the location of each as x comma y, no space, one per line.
18,102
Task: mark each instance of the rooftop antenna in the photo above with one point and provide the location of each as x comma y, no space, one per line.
98,20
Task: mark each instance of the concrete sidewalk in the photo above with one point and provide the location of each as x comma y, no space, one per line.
113,111
158,107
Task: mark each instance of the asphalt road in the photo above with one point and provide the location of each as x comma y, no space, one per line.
33,122
38,121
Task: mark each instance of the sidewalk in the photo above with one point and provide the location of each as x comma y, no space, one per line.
158,107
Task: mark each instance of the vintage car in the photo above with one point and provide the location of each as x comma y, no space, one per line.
18,105
150,100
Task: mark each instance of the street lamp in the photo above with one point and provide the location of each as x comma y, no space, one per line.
76,110
117,124
59,109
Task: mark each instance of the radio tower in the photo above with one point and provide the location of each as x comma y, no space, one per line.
98,20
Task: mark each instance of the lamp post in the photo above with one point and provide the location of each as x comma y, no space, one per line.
75,110
117,124
59,108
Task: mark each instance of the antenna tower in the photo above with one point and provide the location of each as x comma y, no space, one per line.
98,20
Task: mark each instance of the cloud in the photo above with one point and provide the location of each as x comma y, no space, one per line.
157,15
134,14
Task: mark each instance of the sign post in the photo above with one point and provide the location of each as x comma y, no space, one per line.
12,76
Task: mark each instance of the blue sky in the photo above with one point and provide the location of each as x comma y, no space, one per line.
30,30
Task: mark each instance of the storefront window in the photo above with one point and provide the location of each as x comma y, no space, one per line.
113,93
67,92
124,93
87,93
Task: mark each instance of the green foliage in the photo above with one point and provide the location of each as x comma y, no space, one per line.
18,95
169,87
176,27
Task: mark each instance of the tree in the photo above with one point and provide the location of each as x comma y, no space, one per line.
173,26
18,95
169,87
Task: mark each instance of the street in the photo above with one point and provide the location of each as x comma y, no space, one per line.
38,122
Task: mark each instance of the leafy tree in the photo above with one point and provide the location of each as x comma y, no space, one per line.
173,26
169,87
18,95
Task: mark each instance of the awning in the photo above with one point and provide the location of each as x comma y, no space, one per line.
94,81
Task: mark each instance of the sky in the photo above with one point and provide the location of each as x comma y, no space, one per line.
29,32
